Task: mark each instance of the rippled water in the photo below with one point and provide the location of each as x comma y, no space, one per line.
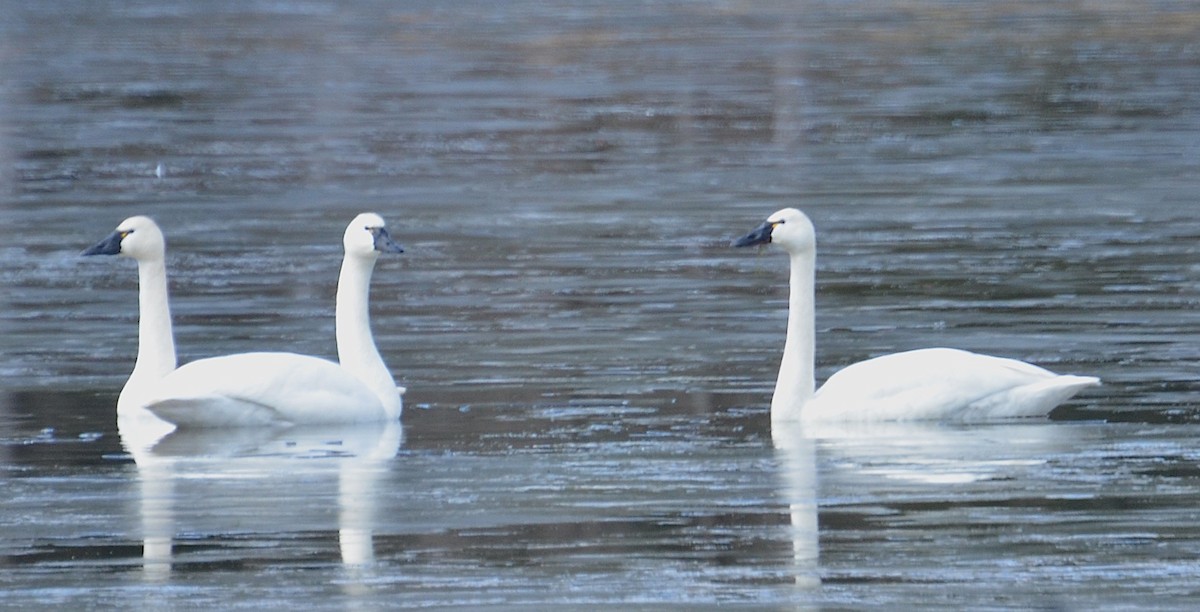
588,362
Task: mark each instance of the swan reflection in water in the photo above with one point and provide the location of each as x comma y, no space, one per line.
796,456
868,465
259,481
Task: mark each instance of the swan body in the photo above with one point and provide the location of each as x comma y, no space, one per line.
925,384
943,384
264,389
286,389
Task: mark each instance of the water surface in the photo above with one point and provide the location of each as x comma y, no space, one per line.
589,364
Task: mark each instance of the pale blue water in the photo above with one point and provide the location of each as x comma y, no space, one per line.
589,364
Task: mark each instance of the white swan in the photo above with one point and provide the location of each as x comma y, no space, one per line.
934,383
140,239
255,389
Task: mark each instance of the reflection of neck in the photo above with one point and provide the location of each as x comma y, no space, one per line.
158,520
356,345
356,513
156,341
796,455
795,384
358,484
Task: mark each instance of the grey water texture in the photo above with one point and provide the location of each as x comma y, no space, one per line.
589,363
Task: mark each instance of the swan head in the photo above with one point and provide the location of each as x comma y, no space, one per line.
136,237
788,228
367,236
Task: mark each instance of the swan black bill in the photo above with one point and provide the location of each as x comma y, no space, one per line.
384,242
109,246
759,235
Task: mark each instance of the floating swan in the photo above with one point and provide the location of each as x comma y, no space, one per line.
255,389
251,389
933,383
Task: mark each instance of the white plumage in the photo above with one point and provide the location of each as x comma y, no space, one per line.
140,239
925,384
262,388
943,384
256,389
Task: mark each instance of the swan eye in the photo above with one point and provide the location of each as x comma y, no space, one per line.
125,233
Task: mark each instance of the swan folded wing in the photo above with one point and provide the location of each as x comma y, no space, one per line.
941,384
214,411
252,389
1034,399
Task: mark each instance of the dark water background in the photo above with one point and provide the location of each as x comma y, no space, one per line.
589,364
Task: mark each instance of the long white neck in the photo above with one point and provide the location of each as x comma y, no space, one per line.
156,340
356,345
795,384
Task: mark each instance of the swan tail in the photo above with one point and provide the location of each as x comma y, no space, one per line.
213,411
1035,399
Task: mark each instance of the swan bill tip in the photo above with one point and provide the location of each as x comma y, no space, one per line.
384,242
109,246
759,235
